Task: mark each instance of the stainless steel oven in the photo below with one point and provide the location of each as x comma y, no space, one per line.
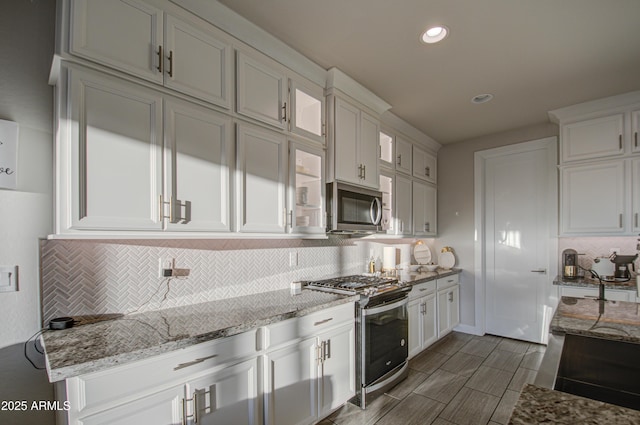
352,209
382,333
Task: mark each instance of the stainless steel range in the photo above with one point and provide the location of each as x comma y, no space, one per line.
382,331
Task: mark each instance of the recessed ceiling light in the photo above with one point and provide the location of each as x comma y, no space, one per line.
481,98
434,34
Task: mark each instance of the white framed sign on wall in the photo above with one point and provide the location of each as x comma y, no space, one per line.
8,154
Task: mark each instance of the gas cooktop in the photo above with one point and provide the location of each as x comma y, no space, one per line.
355,284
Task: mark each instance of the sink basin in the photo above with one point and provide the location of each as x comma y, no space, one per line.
600,369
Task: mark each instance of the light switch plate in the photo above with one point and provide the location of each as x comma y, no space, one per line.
8,278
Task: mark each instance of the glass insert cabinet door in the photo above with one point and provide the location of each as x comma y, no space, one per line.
307,111
307,197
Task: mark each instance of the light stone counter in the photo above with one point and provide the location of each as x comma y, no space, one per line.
538,405
414,278
584,282
617,320
102,344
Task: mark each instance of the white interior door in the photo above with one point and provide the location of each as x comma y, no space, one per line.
517,235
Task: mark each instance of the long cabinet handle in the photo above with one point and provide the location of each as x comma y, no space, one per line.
620,141
171,63
160,59
284,112
193,362
636,219
322,322
621,220
635,137
399,159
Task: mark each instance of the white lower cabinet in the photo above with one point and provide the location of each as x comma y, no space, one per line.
423,329
162,407
225,396
308,379
291,384
448,308
292,372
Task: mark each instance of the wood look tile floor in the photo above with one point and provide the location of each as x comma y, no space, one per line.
462,379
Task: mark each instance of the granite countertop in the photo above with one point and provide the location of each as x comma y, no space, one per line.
538,405
413,278
98,345
584,282
618,320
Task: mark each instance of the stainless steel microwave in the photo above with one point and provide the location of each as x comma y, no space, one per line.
353,209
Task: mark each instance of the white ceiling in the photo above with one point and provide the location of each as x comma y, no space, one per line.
532,55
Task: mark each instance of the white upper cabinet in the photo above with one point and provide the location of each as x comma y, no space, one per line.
635,129
386,149
403,206
424,165
369,142
355,145
386,187
261,90
635,197
593,198
307,110
594,138
124,34
137,38
424,209
260,180
196,62
306,211
403,156
110,141
198,173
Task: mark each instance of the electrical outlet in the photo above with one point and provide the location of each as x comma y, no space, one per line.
614,251
165,266
293,258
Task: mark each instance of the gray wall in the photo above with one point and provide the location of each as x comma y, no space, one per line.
456,225
26,49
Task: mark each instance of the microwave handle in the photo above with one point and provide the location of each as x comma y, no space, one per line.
377,214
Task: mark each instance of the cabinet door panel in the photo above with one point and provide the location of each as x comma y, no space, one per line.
347,134
419,192
306,189
403,156
337,383
594,138
635,197
369,145
291,384
424,165
403,211
200,64
227,396
199,175
593,199
124,34
164,407
261,91
635,129
261,180
307,111
414,309
117,153
429,320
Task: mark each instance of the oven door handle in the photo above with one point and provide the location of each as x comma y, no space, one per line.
385,307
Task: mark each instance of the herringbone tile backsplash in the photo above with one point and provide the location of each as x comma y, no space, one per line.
121,276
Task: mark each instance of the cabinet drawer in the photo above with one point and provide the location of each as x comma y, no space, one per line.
422,289
100,389
309,325
609,294
445,282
